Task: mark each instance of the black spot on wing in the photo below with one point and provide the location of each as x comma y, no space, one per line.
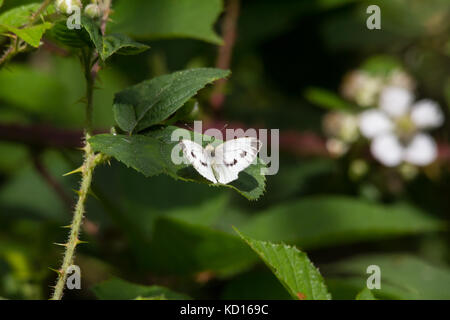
243,154
203,163
193,155
231,163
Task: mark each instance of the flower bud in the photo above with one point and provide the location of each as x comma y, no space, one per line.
358,168
362,88
67,6
336,147
92,10
341,125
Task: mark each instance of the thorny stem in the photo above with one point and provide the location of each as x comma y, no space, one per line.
90,162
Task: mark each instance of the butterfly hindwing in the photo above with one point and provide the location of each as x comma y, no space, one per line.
233,156
199,159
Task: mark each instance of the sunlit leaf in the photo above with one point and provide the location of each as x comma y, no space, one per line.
293,268
31,35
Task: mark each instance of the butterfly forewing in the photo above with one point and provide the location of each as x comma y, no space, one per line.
199,159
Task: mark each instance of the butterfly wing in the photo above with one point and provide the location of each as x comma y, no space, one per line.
233,156
197,156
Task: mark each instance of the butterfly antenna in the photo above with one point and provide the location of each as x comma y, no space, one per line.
224,127
186,125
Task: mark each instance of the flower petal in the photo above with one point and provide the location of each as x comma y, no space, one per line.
421,151
373,123
395,101
387,149
427,114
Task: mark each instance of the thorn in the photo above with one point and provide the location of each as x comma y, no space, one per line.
78,192
78,241
60,244
66,227
80,169
59,272
90,192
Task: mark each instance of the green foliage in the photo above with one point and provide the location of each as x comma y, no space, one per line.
365,294
166,228
151,153
156,19
121,44
293,268
118,289
152,101
381,65
90,35
31,35
402,276
328,100
179,247
17,17
255,285
323,221
13,19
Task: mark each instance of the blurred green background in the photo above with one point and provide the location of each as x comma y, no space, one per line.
179,235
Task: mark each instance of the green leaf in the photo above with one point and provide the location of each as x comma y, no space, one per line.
159,19
326,99
94,32
31,35
153,101
381,65
121,44
180,247
90,34
402,276
293,268
118,289
150,154
337,220
72,38
17,17
365,294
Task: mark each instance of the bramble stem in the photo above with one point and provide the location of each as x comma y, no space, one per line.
91,160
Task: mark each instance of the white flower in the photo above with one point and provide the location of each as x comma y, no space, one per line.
395,128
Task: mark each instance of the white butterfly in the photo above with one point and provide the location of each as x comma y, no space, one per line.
223,163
